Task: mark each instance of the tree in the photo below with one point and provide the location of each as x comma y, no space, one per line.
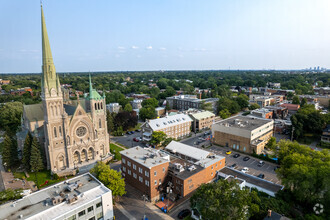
110,121
224,114
147,113
126,120
303,102
158,137
295,100
10,116
243,101
254,106
6,152
207,106
27,151
110,178
150,102
231,105
271,143
304,172
36,163
128,108
224,200
168,107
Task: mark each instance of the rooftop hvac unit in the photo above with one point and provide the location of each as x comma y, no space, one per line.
191,168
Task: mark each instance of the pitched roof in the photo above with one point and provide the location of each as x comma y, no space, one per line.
34,112
168,121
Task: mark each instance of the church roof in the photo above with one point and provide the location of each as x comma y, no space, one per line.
34,112
70,109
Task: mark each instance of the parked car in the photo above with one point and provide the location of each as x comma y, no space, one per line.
246,158
136,140
138,130
261,175
139,139
245,170
228,152
184,213
128,132
236,155
261,163
233,166
132,132
275,168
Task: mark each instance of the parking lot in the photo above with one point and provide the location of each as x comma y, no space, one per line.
127,140
267,169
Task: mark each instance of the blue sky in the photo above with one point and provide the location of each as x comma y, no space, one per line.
125,35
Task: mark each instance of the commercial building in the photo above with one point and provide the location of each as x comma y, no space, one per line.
291,107
278,111
262,113
184,102
175,126
202,120
262,101
182,167
160,111
113,107
242,133
82,197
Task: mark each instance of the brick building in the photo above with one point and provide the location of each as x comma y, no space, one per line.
185,102
262,113
175,126
241,133
182,167
202,120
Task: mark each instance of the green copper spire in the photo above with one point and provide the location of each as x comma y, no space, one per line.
93,94
48,68
90,85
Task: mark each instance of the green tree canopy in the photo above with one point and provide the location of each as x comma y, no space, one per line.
254,106
295,100
110,178
10,116
27,151
36,163
158,137
150,102
128,108
147,113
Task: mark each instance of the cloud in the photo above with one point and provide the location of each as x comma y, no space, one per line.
162,48
135,47
149,47
121,48
199,49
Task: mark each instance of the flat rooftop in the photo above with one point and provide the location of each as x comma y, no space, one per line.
244,122
39,205
252,180
147,157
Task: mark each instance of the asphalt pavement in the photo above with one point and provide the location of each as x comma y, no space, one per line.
127,140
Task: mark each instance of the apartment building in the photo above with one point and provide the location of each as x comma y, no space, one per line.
262,113
175,126
202,120
262,101
184,102
82,197
242,133
183,167
113,107
137,103
160,111
145,169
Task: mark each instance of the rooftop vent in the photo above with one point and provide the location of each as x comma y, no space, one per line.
191,168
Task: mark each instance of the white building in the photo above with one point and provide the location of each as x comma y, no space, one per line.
113,107
82,197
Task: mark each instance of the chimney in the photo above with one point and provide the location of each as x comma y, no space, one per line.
269,213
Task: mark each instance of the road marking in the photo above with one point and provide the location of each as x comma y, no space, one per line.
270,180
252,162
126,213
269,167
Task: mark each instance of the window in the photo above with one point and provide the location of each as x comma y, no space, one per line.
92,218
73,217
212,174
155,173
60,130
134,175
140,170
212,167
123,161
128,163
99,216
146,173
155,182
147,182
220,162
95,107
90,209
134,166
216,165
129,172
140,179
100,123
98,204
83,212
55,134
189,181
163,169
160,181
124,169
191,186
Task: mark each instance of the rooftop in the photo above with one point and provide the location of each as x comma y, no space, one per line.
55,201
202,115
192,152
147,157
168,121
244,122
252,180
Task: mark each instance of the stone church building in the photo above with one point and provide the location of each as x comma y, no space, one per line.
73,132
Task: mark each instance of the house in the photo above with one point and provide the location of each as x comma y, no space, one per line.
82,197
160,111
137,103
291,107
175,126
113,107
242,133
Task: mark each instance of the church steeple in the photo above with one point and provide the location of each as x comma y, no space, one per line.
49,77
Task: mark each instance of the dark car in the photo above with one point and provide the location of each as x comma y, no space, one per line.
261,175
233,166
138,130
236,155
128,132
246,158
184,213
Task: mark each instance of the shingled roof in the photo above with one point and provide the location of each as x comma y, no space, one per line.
34,112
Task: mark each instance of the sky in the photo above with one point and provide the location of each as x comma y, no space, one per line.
130,35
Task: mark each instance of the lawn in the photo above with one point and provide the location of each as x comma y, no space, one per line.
114,149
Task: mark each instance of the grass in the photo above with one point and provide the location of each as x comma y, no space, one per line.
19,175
42,177
115,149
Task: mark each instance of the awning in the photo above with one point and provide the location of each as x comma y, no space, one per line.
148,134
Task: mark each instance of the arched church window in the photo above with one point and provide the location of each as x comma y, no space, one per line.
100,123
98,104
95,106
101,105
60,131
68,140
52,108
55,134
56,110
95,133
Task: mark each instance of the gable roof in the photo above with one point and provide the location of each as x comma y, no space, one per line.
34,112
168,121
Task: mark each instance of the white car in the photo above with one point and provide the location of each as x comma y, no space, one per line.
245,169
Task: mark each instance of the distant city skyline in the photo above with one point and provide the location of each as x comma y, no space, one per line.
166,35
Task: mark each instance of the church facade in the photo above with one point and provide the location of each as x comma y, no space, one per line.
73,132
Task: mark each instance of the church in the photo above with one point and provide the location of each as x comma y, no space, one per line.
73,132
